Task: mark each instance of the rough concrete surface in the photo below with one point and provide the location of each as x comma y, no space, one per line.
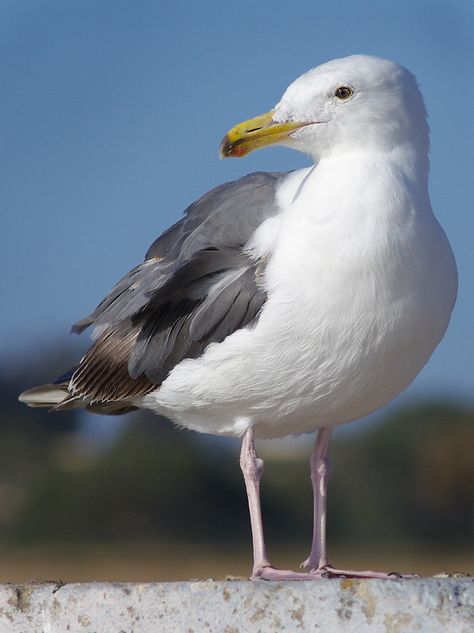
389,606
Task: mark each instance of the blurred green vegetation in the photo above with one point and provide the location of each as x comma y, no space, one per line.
406,479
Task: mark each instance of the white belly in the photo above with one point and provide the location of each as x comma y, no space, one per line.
353,315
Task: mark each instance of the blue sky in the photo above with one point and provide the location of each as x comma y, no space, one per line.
111,114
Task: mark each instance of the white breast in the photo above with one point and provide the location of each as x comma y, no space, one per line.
361,283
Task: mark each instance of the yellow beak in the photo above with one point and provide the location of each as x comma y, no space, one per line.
255,133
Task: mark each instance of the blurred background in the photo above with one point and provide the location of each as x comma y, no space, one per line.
111,113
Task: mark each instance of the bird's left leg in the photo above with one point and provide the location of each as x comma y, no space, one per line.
320,467
317,563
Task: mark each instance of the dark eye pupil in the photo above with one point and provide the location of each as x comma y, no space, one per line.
343,92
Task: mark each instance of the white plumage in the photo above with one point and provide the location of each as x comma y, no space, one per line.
360,277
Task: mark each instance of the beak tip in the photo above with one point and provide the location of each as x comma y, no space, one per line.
227,149
224,148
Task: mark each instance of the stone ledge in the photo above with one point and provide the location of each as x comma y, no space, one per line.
431,605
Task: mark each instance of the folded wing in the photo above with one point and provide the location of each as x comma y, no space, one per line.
196,286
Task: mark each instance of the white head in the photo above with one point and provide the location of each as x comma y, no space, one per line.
352,104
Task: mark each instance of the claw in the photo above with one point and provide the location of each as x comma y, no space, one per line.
270,573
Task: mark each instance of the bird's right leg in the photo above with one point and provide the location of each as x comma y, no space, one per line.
252,469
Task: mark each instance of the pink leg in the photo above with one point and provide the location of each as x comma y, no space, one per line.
320,467
252,469
317,562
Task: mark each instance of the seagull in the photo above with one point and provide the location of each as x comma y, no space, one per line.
286,303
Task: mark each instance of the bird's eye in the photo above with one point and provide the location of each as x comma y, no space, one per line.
343,92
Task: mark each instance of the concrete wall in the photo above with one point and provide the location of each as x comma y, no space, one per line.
341,606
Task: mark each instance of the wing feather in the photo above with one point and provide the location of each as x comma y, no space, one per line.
196,286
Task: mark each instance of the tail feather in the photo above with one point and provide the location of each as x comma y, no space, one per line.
56,397
45,395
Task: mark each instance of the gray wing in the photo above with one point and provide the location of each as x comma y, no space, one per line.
195,287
